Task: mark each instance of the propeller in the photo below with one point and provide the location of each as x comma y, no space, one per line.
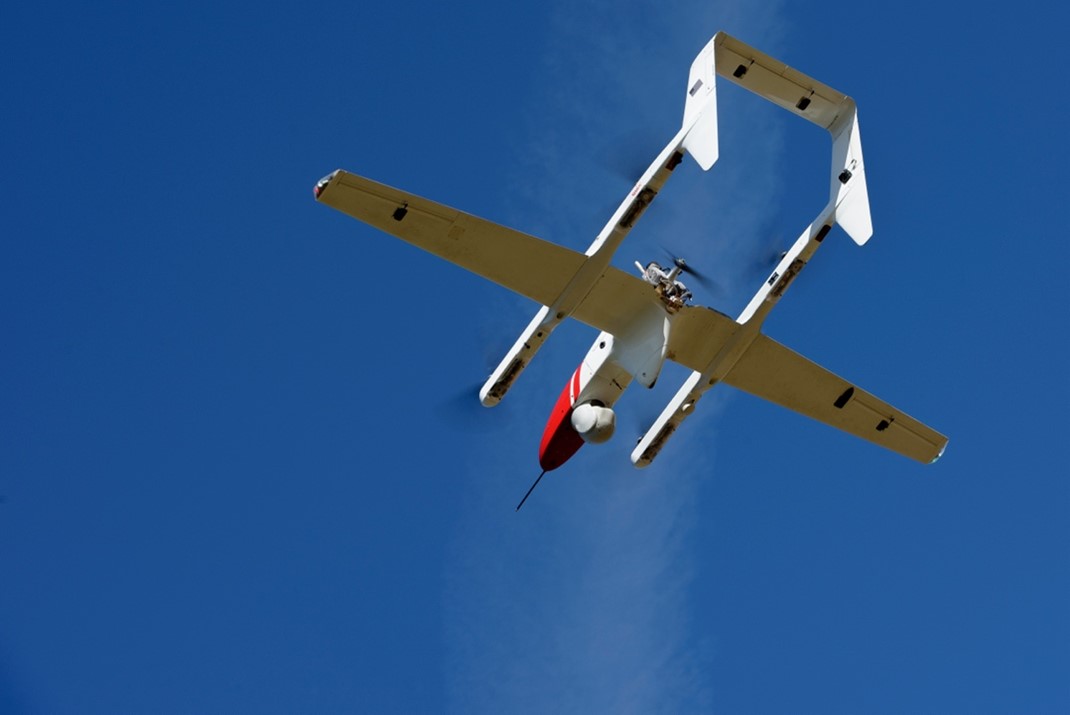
768,255
629,154
701,277
639,424
463,412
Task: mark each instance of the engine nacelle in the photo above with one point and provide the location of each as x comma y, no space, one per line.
594,422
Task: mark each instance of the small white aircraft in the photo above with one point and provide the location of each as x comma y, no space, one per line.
647,319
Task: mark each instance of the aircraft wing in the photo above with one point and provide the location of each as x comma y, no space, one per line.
618,297
527,265
530,266
773,372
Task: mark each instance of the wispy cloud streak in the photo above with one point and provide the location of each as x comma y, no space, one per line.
582,603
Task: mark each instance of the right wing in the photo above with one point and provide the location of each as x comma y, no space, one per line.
530,266
773,372
701,339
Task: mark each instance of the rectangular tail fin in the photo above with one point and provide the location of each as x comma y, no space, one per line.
700,108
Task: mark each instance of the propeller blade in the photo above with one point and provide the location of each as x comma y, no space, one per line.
702,278
768,255
629,154
641,419
463,412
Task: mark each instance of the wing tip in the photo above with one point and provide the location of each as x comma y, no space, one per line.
939,454
322,184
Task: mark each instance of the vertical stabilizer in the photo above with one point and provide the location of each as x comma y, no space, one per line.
700,108
849,190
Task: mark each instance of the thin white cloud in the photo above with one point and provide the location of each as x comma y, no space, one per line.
580,603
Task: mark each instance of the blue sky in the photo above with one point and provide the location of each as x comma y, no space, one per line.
241,462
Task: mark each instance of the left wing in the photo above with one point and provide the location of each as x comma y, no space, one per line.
773,372
527,265
530,266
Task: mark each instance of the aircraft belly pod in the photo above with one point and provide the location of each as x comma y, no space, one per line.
647,319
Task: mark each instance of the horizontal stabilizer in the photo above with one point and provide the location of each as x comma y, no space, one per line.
778,83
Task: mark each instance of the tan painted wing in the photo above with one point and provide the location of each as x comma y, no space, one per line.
698,334
773,372
527,265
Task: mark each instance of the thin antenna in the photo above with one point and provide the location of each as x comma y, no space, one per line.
530,491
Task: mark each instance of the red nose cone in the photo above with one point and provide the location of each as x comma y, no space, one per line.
559,440
559,445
